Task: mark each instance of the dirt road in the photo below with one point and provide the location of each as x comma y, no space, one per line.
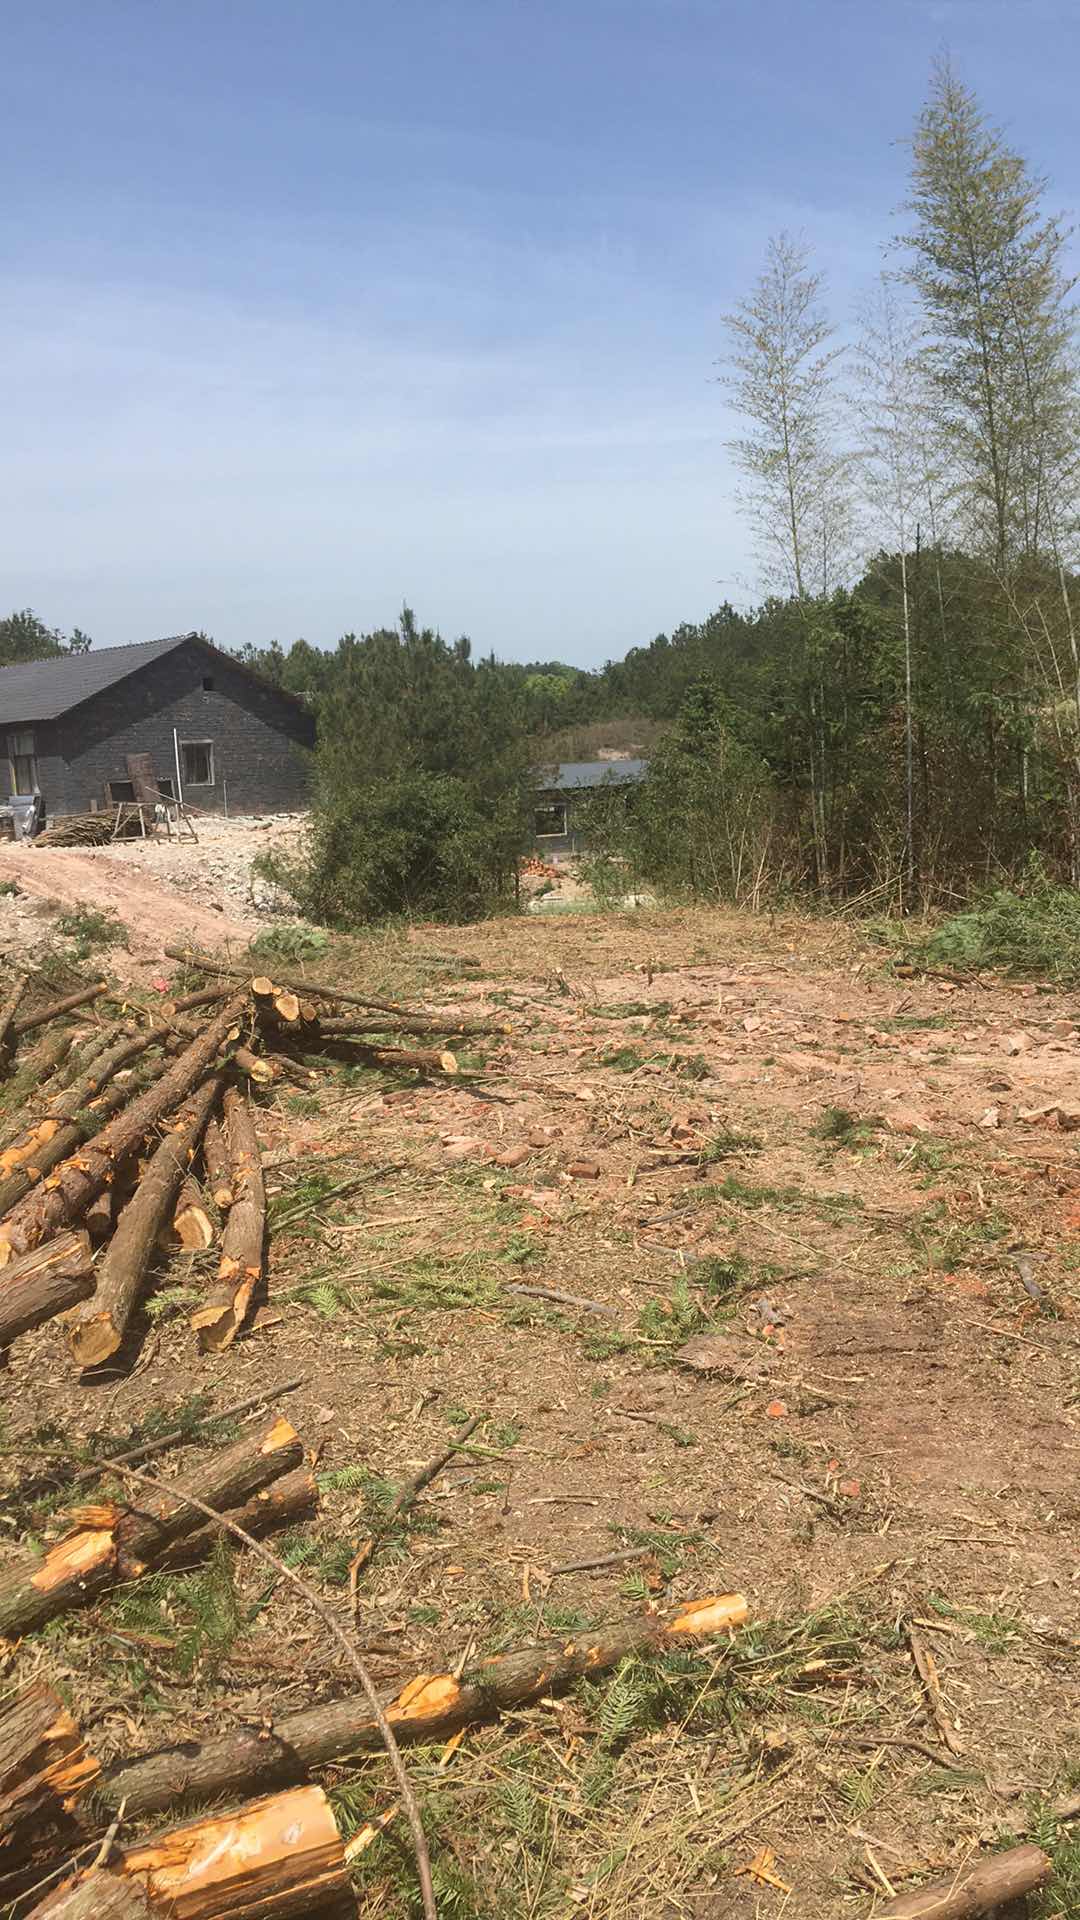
153,913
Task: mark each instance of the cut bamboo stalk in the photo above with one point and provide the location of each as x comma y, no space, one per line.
44,1767
274,1859
977,1888
112,1543
431,1707
81,1178
218,1320
191,1223
31,1021
43,1283
216,1163
283,1504
97,1330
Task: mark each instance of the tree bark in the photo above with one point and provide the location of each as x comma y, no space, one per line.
216,1163
978,1888
269,1860
429,1708
43,1283
191,1223
97,1895
98,1218
30,1021
423,1059
113,1543
283,1504
65,1142
97,1330
44,1767
83,1177
240,1270
9,1007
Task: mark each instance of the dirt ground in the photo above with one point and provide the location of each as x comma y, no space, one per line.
856,1195
160,889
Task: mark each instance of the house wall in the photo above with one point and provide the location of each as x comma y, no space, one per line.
257,734
51,771
557,846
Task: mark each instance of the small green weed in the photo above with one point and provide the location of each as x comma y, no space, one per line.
670,1323
291,943
91,931
624,1059
840,1128
729,1140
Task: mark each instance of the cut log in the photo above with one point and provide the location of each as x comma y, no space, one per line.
81,1178
191,1223
218,1320
262,987
287,1007
67,1139
82,1092
429,1708
97,1329
98,1218
284,1504
216,1163
31,1021
9,1007
980,1887
44,1767
272,1859
206,997
97,1895
254,1066
342,1025
48,1061
45,1282
113,1543
420,1059
293,1071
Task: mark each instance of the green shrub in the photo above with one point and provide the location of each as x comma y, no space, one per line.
290,943
1035,930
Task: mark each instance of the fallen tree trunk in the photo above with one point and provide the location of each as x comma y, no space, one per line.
979,1888
45,1282
269,1860
64,1142
82,1092
336,1026
97,1329
113,1543
9,1007
30,1021
283,1504
81,1178
44,1767
191,1223
310,989
429,1708
216,1163
218,1320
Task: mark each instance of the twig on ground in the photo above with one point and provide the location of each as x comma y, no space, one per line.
566,1300
404,1498
926,1668
602,1560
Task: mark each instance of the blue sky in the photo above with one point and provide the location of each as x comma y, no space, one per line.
309,309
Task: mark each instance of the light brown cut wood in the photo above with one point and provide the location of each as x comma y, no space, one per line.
82,1177
43,1283
96,1330
44,1767
263,987
219,1319
287,1007
977,1888
31,1021
112,1543
272,1859
191,1223
254,1066
429,1708
216,1163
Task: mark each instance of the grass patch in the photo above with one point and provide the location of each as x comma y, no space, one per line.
838,1127
91,931
291,943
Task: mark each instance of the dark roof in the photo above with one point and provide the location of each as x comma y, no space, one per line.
574,775
44,689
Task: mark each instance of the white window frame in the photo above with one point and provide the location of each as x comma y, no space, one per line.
553,833
209,747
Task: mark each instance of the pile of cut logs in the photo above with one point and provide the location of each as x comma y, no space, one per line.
143,1128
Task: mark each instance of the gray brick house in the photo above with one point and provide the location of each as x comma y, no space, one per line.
230,738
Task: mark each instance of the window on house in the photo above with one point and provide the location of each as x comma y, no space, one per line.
550,821
22,763
208,683
197,762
